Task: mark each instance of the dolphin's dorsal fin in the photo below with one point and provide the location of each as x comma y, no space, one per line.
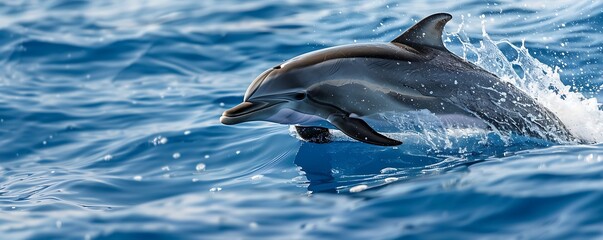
427,32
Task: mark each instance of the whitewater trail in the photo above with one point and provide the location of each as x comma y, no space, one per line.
581,115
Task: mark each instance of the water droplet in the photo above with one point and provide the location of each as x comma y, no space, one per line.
238,152
200,167
390,179
159,140
388,170
589,158
165,168
215,189
187,132
358,188
206,156
176,155
253,225
137,178
107,157
257,177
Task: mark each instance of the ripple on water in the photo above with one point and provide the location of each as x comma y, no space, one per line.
109,125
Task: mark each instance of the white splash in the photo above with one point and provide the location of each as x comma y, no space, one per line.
581,115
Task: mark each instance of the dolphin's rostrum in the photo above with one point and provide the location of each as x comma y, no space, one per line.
415,71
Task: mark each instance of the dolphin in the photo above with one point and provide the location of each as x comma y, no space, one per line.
346,84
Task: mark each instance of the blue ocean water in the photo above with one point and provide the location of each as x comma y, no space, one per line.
109,126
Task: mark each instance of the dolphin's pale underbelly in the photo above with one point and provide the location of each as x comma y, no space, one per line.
288,116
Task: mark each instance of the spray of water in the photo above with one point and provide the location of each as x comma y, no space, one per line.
581,115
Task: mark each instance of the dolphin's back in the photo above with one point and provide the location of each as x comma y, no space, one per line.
390,51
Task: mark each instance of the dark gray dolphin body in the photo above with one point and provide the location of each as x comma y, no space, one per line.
415,71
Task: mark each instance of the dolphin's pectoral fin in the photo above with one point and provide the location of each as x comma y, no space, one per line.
427,32
358,129
314,134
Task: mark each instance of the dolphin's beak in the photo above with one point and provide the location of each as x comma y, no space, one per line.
248,111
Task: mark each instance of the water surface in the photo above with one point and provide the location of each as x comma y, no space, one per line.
109,125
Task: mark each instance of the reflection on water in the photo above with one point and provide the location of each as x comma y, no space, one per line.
340,166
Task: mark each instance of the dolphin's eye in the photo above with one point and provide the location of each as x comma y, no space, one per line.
300,96
277,67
